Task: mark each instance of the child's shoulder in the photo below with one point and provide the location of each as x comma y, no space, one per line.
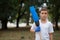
49,22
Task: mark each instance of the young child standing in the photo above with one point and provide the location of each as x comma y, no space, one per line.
46,27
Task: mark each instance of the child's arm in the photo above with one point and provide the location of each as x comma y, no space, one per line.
51,36
31,30
51,31
34,28
37,29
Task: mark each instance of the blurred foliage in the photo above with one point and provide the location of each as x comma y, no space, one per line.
55,11
55,8
8,11
14,9
8,8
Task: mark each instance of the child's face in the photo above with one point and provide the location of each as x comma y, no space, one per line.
43,15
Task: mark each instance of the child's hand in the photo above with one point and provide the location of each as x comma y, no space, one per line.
37,29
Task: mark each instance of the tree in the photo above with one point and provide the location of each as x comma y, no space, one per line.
7,8
21,11
55,9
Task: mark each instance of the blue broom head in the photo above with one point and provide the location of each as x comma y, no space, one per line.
34,14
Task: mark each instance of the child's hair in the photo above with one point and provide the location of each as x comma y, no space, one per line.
43,9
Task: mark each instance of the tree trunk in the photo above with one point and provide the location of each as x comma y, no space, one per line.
57,28
17,22
19,11
27,21
4,24
56,20
57,17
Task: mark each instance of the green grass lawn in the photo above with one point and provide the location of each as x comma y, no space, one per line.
18,34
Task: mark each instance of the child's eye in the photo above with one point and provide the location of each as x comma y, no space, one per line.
42,13
45,13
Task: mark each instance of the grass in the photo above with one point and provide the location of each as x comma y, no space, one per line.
20,34
57,35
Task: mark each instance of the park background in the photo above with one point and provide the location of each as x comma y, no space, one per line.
15,18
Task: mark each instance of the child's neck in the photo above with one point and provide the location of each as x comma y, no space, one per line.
43,21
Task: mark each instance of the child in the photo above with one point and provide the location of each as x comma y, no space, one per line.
46,32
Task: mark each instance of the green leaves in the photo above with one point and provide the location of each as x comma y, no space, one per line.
8,8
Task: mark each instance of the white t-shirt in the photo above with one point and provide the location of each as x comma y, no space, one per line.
46,28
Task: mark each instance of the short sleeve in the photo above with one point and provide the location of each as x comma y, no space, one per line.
50,29
33,26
